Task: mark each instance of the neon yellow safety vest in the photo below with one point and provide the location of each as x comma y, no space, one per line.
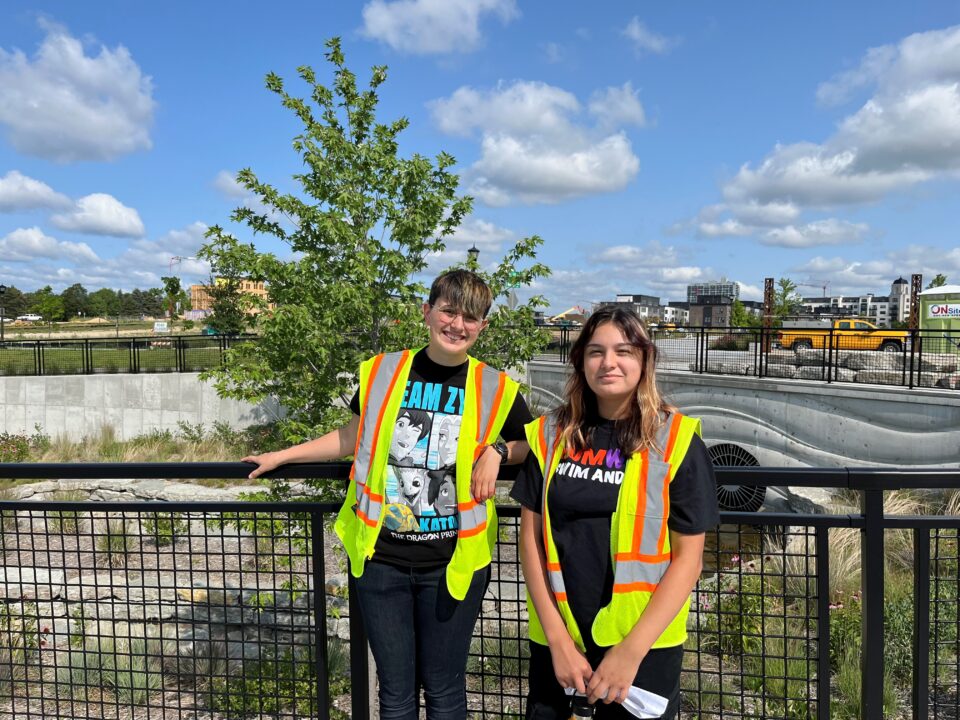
488,397
639,538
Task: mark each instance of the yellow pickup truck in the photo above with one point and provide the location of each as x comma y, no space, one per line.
840,334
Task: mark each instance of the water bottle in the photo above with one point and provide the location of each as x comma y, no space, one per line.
580,708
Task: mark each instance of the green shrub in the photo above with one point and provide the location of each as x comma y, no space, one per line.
66,522
20,642
113,544
130,668
731,342
165,528
276,683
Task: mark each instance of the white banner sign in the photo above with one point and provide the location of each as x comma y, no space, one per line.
942,311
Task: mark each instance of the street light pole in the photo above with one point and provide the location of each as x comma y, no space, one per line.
3,318
472,258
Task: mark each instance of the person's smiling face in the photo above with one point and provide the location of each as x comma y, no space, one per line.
452,332
612,366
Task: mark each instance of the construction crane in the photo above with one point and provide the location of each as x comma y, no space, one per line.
824,286
575,310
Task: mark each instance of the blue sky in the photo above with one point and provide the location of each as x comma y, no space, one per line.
649,144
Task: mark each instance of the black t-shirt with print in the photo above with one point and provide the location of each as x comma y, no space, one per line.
583,498
420,499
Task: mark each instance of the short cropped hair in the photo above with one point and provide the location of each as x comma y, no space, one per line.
464,290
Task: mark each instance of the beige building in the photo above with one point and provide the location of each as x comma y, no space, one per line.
200,296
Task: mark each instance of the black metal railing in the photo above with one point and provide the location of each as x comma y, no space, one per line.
85,356
192,609
908,358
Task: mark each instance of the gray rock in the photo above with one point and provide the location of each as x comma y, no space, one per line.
30,583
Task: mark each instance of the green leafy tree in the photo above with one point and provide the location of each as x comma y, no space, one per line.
228,306
47,304
104,303
13,301
939,281
362,228
786,299
740,317
173,292
76,301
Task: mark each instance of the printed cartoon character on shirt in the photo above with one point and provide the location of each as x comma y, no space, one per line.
421,470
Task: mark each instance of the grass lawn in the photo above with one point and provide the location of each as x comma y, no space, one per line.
104,359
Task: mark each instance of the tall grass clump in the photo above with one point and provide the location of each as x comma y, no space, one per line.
113,543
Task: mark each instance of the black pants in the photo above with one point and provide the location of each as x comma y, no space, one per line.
659,673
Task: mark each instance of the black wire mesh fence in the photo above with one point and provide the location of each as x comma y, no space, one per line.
915,358
172,353
236,610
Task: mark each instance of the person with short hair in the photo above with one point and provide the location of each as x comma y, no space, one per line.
421,555
617,494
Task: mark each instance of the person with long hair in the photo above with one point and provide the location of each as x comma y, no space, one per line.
617,493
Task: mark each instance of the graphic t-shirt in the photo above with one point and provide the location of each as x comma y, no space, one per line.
420,498
582,500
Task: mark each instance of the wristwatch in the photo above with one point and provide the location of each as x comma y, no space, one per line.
501,448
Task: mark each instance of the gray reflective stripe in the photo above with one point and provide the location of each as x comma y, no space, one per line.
369,507
655,514
473,518
556,582
634,571
376,398
488,393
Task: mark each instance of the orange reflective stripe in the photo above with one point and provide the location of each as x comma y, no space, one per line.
363,408
641,502
469,505
674,431
635,587
553,565
372,495
473,531
543,443
383,407
495,409
659,557
366,520
561,597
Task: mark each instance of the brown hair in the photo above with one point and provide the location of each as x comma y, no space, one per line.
464,290
637,431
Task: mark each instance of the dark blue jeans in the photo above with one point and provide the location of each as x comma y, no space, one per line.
420,636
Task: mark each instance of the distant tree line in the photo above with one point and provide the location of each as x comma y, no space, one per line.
76,302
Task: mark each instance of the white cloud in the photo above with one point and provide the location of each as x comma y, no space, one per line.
432,26
29,244
533,150
226,183
101,214
725,228
645,40
64,105
653,255
772,213
487,237
553,52
19,192
906,133
821,232
750,292
617,106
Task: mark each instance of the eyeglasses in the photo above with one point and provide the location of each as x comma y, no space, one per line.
448,315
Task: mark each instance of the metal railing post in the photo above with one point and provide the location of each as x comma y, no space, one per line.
823,622
359,666
321,659
872,582
921,624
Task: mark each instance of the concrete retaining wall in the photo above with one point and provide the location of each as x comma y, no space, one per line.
78,406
